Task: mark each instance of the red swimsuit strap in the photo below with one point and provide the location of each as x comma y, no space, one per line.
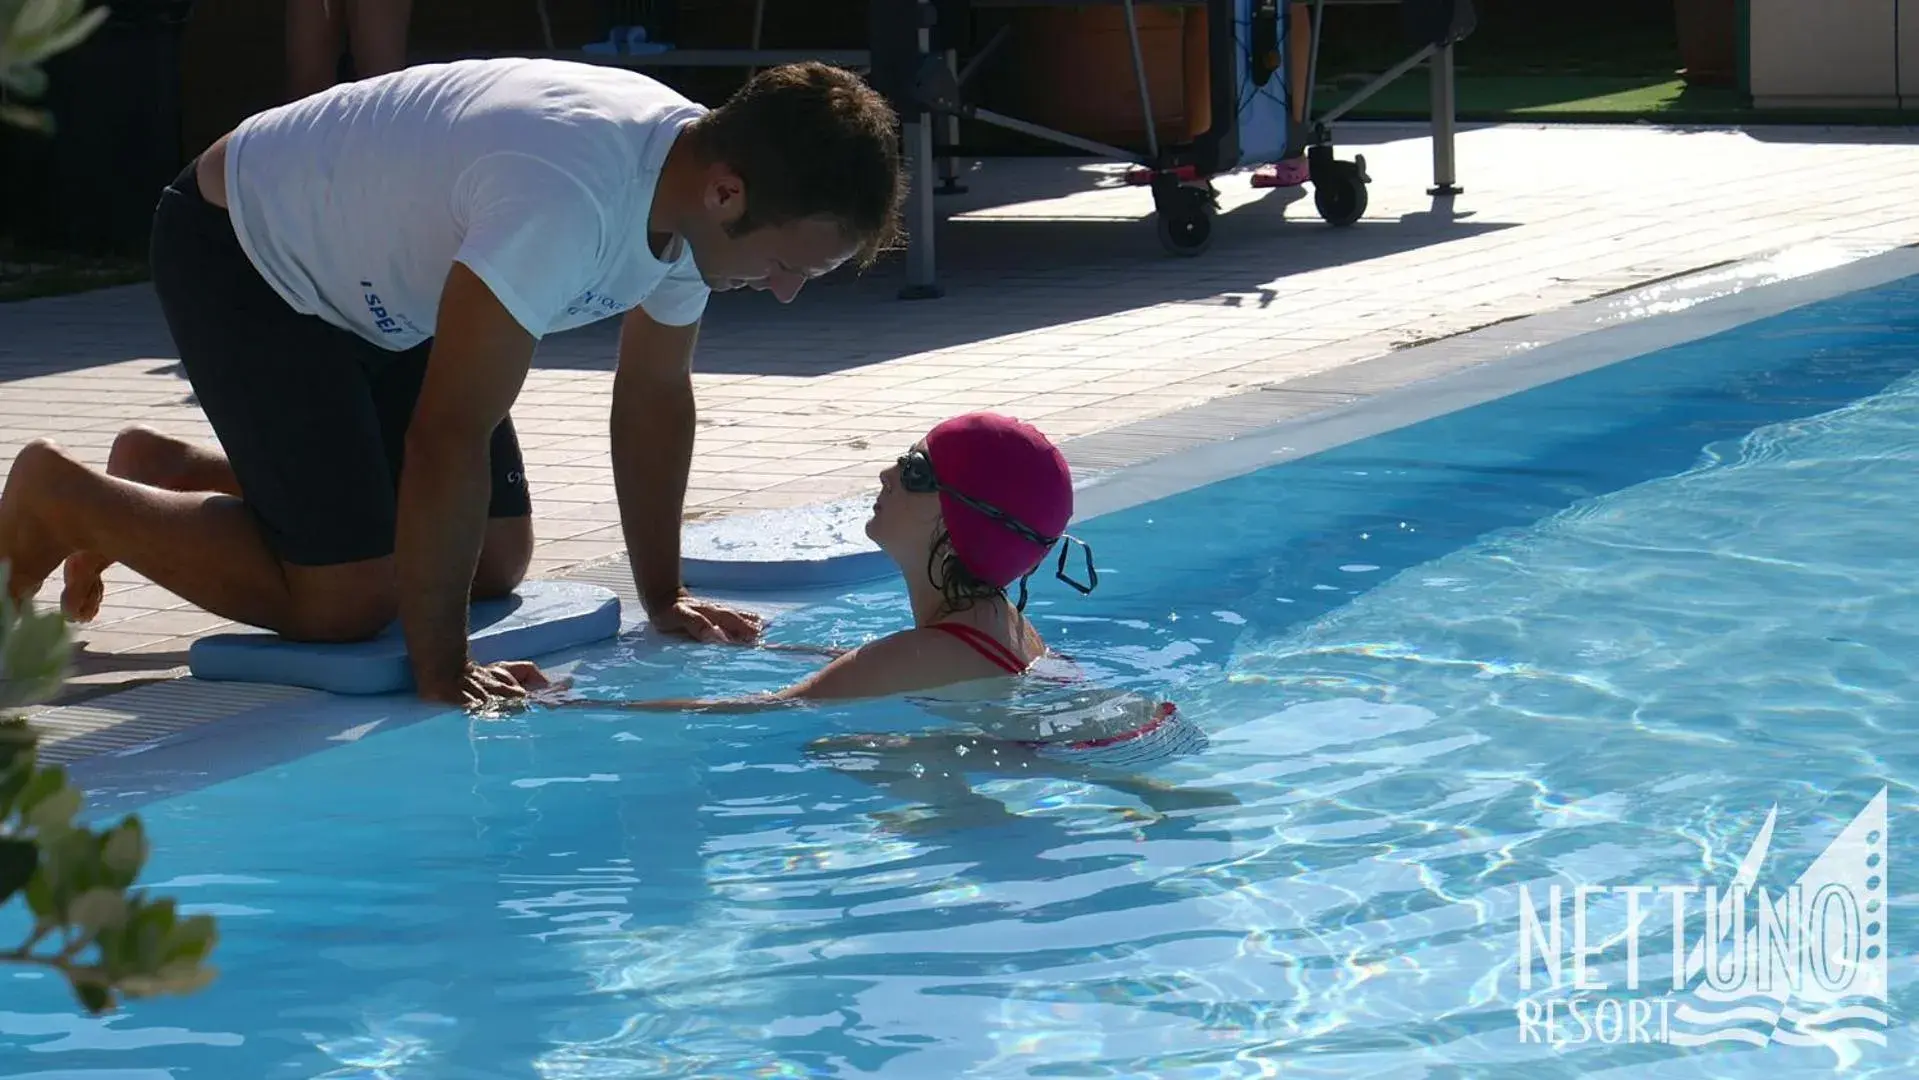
984,644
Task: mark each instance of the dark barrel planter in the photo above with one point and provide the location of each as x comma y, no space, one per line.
90,188
1708,40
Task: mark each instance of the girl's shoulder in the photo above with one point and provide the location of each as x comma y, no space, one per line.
1012,648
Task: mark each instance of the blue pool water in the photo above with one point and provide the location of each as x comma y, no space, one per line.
1587,634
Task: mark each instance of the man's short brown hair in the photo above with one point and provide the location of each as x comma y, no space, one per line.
811,140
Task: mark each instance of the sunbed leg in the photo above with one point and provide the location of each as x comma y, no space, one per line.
1444,114
1139,74
950,137
921,282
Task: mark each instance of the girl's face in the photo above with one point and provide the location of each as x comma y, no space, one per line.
904,522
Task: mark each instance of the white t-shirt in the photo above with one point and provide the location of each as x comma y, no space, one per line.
538,175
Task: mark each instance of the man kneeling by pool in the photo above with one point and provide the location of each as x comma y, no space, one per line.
969,511
357,284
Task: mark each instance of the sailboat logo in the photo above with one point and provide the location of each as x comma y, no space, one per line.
1812,971
1801,966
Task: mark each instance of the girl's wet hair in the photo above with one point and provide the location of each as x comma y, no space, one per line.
958,586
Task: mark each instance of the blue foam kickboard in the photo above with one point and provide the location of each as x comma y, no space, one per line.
540,617
803,547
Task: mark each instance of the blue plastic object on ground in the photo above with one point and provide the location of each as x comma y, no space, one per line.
540,617
626,41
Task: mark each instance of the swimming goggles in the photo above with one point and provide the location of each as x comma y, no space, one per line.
918,477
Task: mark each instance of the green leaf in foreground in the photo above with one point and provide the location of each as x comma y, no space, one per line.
107,941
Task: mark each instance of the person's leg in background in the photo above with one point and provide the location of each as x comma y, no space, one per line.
1299,56
377,32
373,31
315,30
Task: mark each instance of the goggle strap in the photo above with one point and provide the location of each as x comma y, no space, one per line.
1092,575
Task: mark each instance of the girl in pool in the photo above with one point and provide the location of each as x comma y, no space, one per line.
969,511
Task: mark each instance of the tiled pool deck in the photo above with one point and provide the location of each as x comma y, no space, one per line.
1061,311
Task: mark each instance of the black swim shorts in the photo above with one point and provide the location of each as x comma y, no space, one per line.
312,417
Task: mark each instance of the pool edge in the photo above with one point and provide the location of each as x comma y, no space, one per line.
1241,433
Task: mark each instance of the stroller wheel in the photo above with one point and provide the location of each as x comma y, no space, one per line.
1185,220
1339,191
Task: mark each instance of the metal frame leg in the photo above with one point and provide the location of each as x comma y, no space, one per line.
1444,115
1312,59
1139,76
921,282
949,135
759,22
546,23
901,34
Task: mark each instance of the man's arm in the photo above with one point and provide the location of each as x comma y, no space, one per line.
478,363
653,426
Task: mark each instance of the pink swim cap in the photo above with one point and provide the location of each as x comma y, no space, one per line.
1008,465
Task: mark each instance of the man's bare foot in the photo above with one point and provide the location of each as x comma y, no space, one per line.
85,587
30,552
143,456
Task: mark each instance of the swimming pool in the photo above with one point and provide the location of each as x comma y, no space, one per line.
1588,633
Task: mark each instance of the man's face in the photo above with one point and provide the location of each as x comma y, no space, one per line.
779,260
